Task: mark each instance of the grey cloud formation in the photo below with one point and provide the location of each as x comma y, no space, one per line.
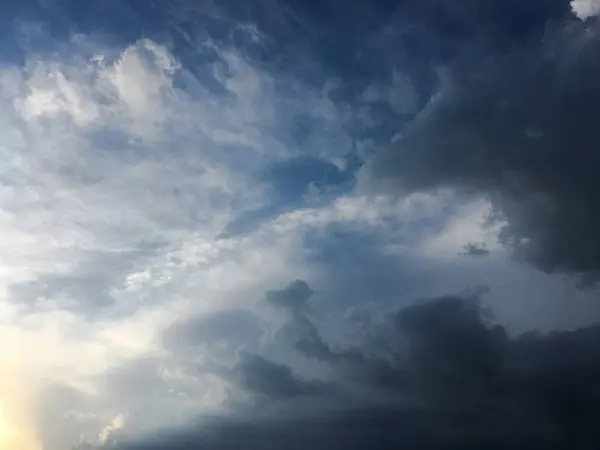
262,377
230,329
520,129
293,297
476,250
459,382
87,288
302,333
176,142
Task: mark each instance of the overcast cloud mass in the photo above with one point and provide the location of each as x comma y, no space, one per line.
299,224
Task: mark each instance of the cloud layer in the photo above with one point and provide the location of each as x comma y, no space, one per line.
218,219
446,378
519,130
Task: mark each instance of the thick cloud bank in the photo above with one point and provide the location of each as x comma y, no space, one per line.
169,167
521,129
446,379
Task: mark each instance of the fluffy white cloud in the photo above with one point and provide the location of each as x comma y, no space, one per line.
585,8
114,185
120,170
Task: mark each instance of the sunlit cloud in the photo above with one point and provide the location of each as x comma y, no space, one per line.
585,8
151,203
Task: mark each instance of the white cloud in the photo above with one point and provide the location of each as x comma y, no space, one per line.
91,197
107,435
470,225
585,9
119,170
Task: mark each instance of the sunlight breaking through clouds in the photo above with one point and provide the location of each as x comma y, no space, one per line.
212,215
117,182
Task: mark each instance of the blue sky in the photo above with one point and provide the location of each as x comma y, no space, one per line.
167,165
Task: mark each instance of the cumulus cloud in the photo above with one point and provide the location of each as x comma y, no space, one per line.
585,8
109,435
293,297
477,138
120,174
262,377
458,382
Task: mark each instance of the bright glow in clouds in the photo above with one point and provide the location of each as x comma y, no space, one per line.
16,429
585,8
104,214
115,185
120,171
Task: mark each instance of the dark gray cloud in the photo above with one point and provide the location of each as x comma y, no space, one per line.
383,428
476,250
520,129
452,380
262,377
293,297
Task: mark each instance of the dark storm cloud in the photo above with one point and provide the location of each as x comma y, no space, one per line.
262,377
521,129
383,429
453,380
349,363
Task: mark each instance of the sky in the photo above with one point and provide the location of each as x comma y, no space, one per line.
292,223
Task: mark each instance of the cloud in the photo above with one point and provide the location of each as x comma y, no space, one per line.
476,138
122,168
230,326
257,375
107,435
159,194
476,250
459,382
401,95
293,297
585,9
